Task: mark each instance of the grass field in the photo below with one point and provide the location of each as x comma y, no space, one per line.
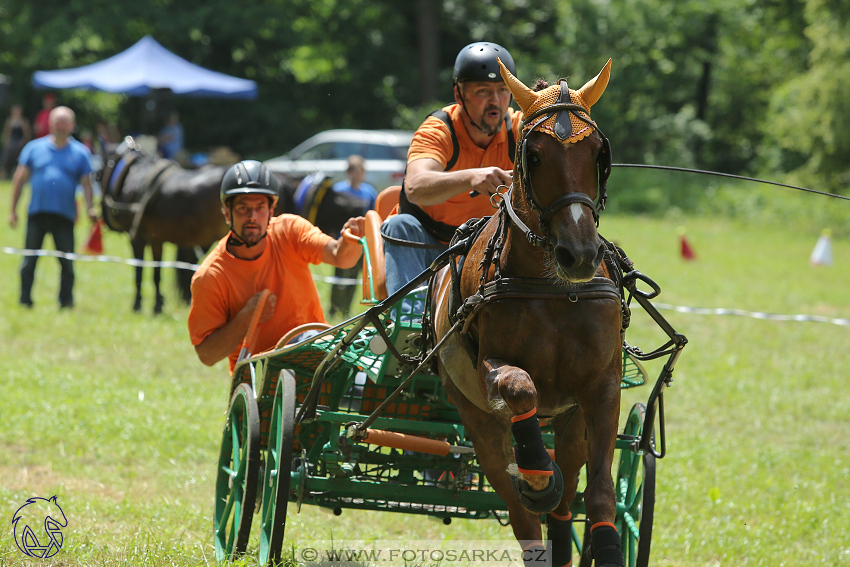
111,410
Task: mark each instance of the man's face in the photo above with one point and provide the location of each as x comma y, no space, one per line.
62,124
250,217
486,102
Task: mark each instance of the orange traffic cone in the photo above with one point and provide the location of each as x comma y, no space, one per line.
822,253
687,251
94,244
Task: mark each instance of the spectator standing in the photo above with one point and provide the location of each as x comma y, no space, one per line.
362,195
41,124
16,133
54,165
170,140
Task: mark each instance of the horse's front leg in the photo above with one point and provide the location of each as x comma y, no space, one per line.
601,412
138,254
156,250
539,484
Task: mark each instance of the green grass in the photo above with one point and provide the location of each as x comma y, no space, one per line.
111,410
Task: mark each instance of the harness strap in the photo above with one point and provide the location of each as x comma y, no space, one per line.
153,183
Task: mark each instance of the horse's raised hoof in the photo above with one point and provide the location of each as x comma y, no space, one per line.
157,308
540,501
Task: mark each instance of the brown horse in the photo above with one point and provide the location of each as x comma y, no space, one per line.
542,327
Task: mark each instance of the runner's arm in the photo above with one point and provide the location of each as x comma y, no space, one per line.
220,343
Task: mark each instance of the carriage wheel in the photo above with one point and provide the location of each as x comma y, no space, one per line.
236,481
278,469
635,489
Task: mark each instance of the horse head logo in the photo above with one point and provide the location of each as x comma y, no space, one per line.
41,513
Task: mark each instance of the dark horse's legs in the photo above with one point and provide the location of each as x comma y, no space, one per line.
139,254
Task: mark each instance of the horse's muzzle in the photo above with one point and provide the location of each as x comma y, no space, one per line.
578,263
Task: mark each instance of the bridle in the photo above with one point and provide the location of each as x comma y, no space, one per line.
561,109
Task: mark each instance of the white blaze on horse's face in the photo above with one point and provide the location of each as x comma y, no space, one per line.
577,211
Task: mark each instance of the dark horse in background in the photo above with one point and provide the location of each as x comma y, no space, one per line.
543,335
156,201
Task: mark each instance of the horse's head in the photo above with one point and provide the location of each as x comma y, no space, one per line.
562,164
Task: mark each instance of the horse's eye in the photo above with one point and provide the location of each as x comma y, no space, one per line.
532,159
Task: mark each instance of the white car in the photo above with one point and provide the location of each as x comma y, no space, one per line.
385,152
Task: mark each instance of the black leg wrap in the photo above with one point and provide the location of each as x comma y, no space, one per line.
540,501
605,543
529,450
560,535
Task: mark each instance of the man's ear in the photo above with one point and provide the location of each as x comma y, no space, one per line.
225,210
458,95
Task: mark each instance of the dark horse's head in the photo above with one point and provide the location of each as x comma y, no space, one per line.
562,164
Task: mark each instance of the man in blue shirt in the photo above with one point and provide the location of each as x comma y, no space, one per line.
54,165
363,195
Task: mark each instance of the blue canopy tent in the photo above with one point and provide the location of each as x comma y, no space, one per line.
144,67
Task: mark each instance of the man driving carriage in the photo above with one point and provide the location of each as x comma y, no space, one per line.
458,157
260,252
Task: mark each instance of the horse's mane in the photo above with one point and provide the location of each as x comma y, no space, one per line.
540,85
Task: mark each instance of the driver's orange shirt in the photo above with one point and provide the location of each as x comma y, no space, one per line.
433,140
223,284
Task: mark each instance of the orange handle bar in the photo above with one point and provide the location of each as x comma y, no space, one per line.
250,340
407,442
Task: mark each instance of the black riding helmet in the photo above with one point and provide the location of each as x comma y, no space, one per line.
249,177
477,62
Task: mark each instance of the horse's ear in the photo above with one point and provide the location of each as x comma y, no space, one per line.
524,96
593,89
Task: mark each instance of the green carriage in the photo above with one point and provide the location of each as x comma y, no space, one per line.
355,417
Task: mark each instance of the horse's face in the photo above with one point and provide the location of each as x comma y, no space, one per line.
556,169
558,164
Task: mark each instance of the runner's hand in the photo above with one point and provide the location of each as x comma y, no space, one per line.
268,308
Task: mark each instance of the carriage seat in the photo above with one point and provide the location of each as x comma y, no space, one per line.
374,271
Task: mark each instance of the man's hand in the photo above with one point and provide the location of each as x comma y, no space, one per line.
355,225
487,180
13,219
342,252
268,307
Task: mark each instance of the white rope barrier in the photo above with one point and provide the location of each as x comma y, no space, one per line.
354,281
751,314
145,263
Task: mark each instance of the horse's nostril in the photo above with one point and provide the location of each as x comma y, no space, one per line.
600,254
564,257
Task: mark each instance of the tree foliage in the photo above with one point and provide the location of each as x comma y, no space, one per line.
741,86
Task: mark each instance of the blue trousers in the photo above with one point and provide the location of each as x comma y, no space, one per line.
403,263
62,229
